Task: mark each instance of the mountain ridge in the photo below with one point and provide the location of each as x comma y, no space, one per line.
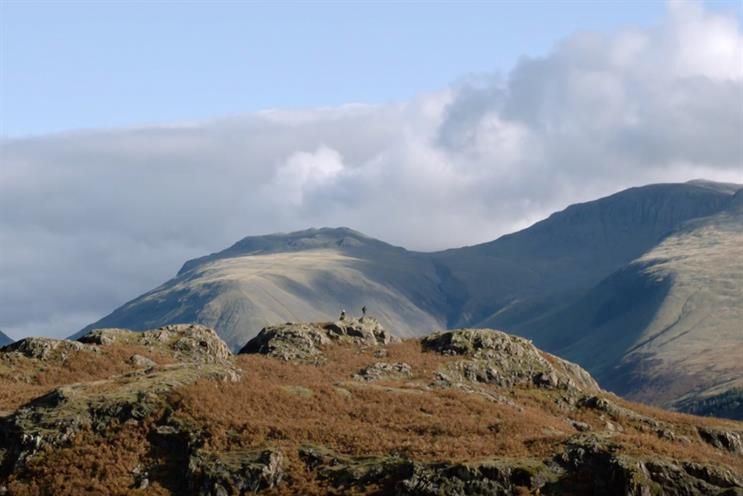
516,282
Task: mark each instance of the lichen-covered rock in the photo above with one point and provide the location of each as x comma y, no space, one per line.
494,357
43,348
141,361
382,370
347,472
52,419
590,464
593,464
726,439
407,477
242,471
185,342
491,477
305,342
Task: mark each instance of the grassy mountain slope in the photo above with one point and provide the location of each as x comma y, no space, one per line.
307,275
521,275
667,327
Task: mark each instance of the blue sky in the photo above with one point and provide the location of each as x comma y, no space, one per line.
68,65
472,120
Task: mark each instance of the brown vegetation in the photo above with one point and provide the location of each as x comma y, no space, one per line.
288,405
23,379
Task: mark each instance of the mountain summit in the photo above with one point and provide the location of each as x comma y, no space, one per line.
598,282
304,275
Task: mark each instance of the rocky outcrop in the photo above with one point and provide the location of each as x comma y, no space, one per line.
384,371
43,348
726,439
184,342
494,357
589,465
242,471
594,464
305,342
55,418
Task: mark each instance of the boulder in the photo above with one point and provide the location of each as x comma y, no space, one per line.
305,342
726,439
185,342
43,348
494,357
384,371
241,471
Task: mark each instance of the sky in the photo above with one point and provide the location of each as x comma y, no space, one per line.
134,136
70,65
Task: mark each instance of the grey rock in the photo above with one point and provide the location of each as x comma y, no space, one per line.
494,357
141,361
240,471
186,342
305,342
384,371
729,440
43,348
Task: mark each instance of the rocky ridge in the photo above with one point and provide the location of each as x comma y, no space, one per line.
338,407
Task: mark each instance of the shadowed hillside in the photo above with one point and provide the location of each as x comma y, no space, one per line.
667,327
518,276
4,339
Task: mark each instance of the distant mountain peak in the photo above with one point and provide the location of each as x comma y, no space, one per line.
313,238
729,188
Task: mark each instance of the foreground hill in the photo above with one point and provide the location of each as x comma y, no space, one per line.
336,408
587,276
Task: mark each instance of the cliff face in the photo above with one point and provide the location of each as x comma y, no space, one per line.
337,407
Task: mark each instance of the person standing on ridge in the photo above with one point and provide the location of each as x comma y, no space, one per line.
343,315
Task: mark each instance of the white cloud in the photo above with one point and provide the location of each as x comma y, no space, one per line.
305,172
90,219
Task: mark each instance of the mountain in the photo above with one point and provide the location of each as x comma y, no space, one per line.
668,325
339,407
4,339
518,276
306,275
591,282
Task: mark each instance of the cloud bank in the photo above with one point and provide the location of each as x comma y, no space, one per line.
91,219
